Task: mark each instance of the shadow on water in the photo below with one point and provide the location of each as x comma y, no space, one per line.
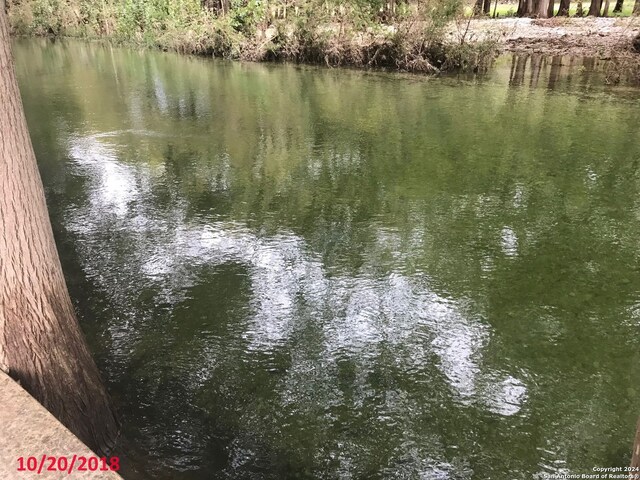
294,272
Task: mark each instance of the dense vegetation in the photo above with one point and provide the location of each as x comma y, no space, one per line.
408,36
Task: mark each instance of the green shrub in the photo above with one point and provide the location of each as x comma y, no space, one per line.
357,32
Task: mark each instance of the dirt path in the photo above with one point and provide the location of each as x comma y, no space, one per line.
597,37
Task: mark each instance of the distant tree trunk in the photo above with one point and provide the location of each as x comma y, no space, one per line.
486,7
477,7
563,10
595,7
550,8
579,9
636,8
41,344
542,8
221,7
526,8
521,8
605,12
618,7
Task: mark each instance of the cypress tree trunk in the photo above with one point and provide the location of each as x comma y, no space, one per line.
552,5
563,10
41,344
542,8
527,8
595,7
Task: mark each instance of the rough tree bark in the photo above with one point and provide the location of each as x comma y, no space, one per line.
636,8
41,344
618,7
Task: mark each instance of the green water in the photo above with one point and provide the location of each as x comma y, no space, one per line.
291,272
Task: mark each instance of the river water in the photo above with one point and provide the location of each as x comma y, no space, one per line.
292,272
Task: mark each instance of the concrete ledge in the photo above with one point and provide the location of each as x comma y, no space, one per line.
27,429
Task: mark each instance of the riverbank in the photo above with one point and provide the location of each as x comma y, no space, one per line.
34,443
614,40
589,37
334,35
430,40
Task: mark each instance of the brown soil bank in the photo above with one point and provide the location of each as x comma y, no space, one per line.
590,37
